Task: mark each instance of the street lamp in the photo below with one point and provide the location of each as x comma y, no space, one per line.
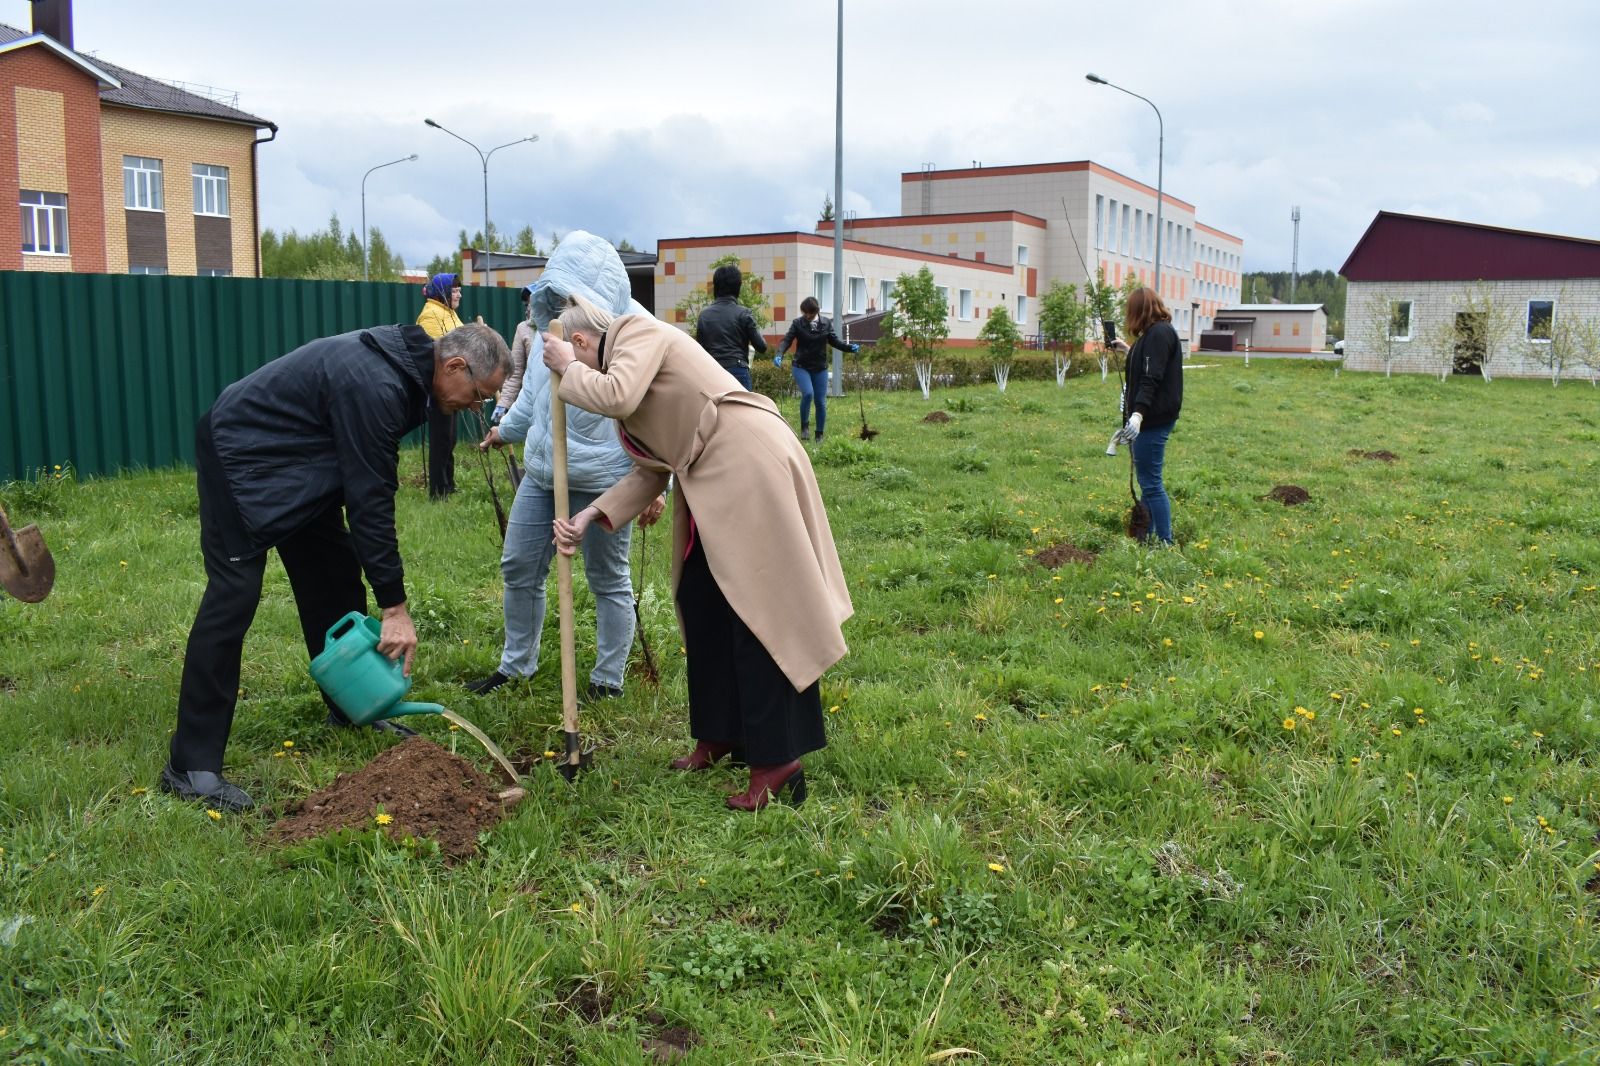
488,244
1161,130
837,382
365,236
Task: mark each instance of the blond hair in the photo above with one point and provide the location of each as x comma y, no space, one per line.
582,314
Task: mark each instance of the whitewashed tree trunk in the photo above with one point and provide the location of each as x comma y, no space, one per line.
1063,364
924,375
1103,367
1002,374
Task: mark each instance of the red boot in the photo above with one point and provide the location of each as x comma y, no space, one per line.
766,782
703,755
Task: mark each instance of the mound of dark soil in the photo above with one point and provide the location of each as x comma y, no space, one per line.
669,1043
1057,554
1380,456
1288,495
425,790
936,417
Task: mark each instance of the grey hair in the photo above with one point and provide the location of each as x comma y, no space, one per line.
484,350
585,315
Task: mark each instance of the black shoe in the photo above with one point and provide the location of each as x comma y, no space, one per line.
203,786
598,691
485,685
382,725
805,431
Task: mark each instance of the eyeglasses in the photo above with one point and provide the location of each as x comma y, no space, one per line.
476,391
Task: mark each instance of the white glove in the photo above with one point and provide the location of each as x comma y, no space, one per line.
1127,433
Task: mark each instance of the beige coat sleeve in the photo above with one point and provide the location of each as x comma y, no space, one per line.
630,368
521,344
627,499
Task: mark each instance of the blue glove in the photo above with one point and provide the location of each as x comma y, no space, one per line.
777,361
855,347
499,413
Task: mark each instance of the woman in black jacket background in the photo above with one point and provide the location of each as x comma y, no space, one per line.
1152,399
811,336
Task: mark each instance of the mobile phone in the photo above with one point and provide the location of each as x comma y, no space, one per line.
1109,327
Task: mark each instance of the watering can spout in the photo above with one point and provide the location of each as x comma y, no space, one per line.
404,707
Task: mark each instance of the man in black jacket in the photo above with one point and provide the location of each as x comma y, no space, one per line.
727,328
281,458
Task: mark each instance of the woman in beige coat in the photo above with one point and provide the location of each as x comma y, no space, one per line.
760,594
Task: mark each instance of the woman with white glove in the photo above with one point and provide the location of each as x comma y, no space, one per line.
1151,400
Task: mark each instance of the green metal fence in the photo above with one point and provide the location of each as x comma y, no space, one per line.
109,372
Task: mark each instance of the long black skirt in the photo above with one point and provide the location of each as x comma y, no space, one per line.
737,693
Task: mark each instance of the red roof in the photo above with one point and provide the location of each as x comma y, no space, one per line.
1400,247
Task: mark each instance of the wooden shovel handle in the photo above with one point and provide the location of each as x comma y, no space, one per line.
558,462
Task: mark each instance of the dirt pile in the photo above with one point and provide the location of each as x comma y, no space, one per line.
425,790
1053,556
1380,456
1288,495
936,417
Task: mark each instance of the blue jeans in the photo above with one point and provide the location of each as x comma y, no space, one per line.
813,385
1149,455
530,549
741,374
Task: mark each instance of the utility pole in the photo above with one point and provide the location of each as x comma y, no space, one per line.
1294,263
836,387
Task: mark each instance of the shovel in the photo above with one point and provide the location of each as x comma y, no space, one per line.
577,758
26,569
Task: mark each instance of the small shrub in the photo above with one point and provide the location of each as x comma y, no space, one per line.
889,477
968,461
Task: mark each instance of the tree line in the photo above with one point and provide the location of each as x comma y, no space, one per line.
1314,287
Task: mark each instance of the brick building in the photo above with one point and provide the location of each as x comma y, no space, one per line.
992,235
1416,284
114,172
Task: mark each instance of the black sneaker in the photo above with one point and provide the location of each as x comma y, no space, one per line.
382,725
485,685
598,691
203,786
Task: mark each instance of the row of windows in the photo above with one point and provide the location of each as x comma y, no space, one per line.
44,229
822,289
141,186
1127,230
1536,324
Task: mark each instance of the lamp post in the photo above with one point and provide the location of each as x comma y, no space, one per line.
1161,138
837,388
488,243
365,236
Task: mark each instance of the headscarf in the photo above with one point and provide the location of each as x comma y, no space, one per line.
438,288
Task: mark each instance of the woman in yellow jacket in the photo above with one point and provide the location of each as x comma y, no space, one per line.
439,317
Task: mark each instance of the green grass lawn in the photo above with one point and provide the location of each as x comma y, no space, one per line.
1063,816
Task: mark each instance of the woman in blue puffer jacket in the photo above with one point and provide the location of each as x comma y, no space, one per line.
588,266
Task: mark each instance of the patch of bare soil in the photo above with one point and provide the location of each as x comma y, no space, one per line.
937,417
425,790
1380,456
1053,556
669,1043
1288,495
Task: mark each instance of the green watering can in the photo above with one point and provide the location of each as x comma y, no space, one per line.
368,686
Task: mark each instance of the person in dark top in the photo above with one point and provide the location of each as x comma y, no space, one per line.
811,334
727,328
1151,400
281,459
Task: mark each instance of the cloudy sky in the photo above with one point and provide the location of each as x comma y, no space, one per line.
701,117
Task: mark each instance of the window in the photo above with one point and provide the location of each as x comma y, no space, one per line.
1149,237
964,301
1099,221
1126,218
1022,255
858,296
146,270
1541,316
141,183
944,298
44,222
210,190
822,289
885,295
1022,310
1138,233
1400,320
212,272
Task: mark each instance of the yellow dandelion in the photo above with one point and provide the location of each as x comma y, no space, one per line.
576,908
1550,829
1416,643
1166,642
997,868
454,728
834,709
1418,711
960,754
1538,734
1395,730
1288,723
383,819
215,816
1507,800
980,717
98,890
1541,820
1058,599
549,755
139,791
1355,760
990,577
288,743
702,882
1410,776
1188,599
1336,695
1259,635
278,754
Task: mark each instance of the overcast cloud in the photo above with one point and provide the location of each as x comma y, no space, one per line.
702,117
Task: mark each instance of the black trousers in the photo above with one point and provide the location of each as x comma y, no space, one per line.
441,452
326,579
737,694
